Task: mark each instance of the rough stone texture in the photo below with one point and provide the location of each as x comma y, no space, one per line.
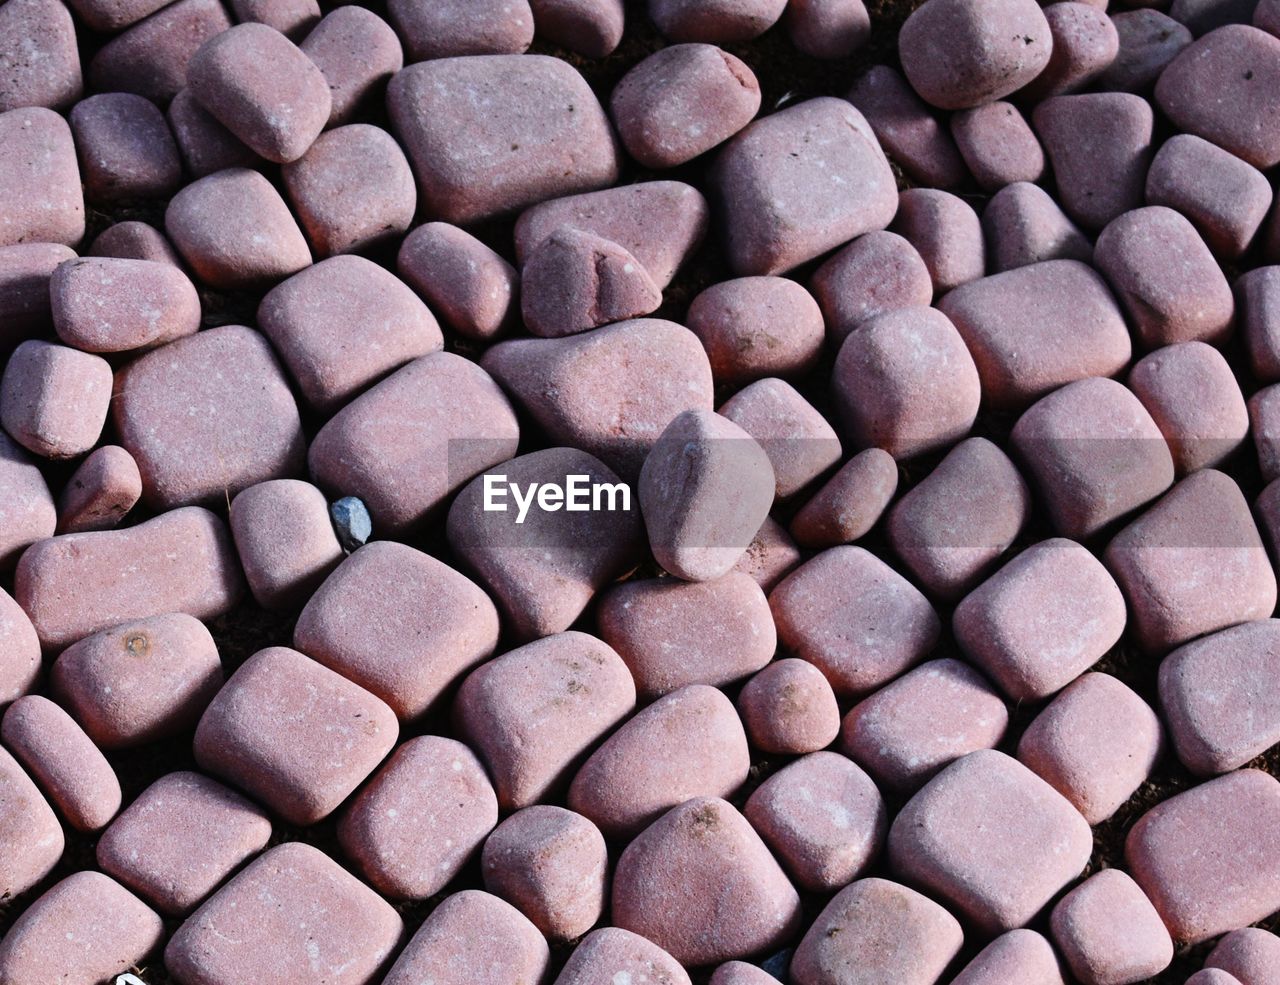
207,146
907,129
113,304
470,286
1020,957
757,327
1251,955
134,240
285,540
1258,305
1108,931
151,57
41,200
39,60
25,269
101,492
1085,43
30,834
610,952
27,512
876,273
1024,225
451,28
1149,41
946,232
591,28
126,149
357,53
789,708
828,29
716,21
54,399
998,145
851,502
20,663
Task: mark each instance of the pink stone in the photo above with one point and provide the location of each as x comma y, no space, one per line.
1108,931
878,931
574,281
140,681
671,633
87,928
739,972
125,147
405,444
151,57
537,133
357,53
701,884
183,835
1020,957
770,556
1165,277
472,938
133,240
1207,858
1096,744
687,744
101,492
20,665
610,952
823,817
29,514
1266,16
1222,87
552,865
799,182
956,522
470,286
828,29
534,712
907,129
1035,328
352,189
234,230
342,324
908,731
63,760
1191,394
682,101
1213,976
292,908
946,232
285,540
754,327
420,819
1264,416
1220,698
449,28
1099,145
25,269
41,200
855,618
292,18
111,15
1193,563
197,432
400,624
261,87
38,51
591,28
1258,304
207,146
1085,43
1251,954
998,145
875,274
54,399
990,837
1023,225
1042,619
716,21
789,708
851,502
660,223
1149,41
1202,16
798,441
78,584
107,304
30,835
294,734
905,382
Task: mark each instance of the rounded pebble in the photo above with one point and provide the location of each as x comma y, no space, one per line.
907,129
789,708
851,502
285,540
716,21
101,491
473,289
126,149
875,274
109,304
357,52
827,29
1108,931
54,399
754,327
151,57
998,145
1023,225
452,28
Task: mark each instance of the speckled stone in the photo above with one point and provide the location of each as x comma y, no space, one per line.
770,556
739,972
27,512
789,708
1020,957
1165,276
140,681
591,28
1264,417
1222,87
294,734
491,134
1213,976
292,908
101,491
671,633
855,618
39,61
957,521
682,101
151,57
63,760
1096,744
78,584
25,269
784,206
701,884
552,865
41,200
1266,16
351,522
292,18
234,230
1193,563
344,323
30,835
1108,931
716,21
109,304
1085,43
990,837
420,819
357,52
470,286
1149,41
756,327
1035,328
87,928
1209,858
534,712
947,234
827,29
907,129
851,502
183,835
126,149
1023,225
1258,307
798,441
1099,145
206,145
134,240
875,274
875,932
613,954
109,16
20,664
998,145
405,444
451,28
823,817
54,399
1252,955
285,540
1202,16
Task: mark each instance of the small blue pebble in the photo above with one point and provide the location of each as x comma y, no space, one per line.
351,522
779,965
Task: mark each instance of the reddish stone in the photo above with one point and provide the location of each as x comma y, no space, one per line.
827,29
1251,954
789,708
41,200
998,145
1149,41
126,149
716,21
591,28
1085,43
875,274
1023,225
1020,957
770,556
470,286
31,838
25,269
151,57
851,502
54,399
133,240
20,647
357,53
1108,931
907,129
101,492
756,327
798,441
450,28
292,18
611,954
207,146
38,51
107,304
285,540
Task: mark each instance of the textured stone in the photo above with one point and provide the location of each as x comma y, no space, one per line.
285,541
1085,43
947,234
111,304
610,952
1149,41
789,708
30,835
41,200
151,57
470,286
591,28
25,269
39,60
998,145
1020,957
907,129
54,399
126,149
1109,932
134,240
101,491
27,512
20,663
451,28
207,146
757,327
357,53
875,274
851,502
1023,225
828,29
1252,955
716,21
